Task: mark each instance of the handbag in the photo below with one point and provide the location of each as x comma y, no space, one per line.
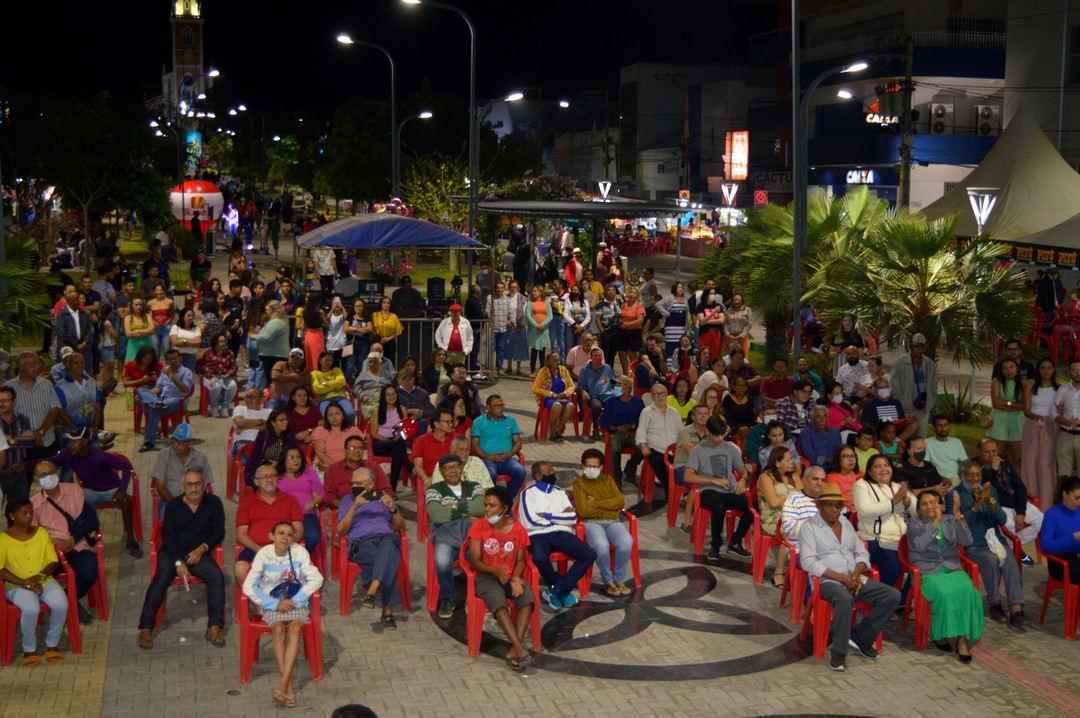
83,528
129,399
291,585
995,545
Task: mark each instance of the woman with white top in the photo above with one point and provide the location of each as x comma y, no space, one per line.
1038,462
335,330
281,582
883,507
186,338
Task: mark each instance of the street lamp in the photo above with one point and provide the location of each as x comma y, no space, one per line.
982,201
395,159
262,134
799,198
474,121
565,104
424,115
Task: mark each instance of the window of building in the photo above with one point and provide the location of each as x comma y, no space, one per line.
1074,55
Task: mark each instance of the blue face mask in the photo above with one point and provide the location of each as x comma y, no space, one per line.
618,391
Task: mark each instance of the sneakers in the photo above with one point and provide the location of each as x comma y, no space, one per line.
1018,619
714,556
568,601
85,617
445,609
367,600
998,614
147,447
159,407
838,662
388,622
1027,560
549,597
739,550
868,651
134,549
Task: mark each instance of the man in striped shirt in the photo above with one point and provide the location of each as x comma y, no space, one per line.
801,505
36,399
501,312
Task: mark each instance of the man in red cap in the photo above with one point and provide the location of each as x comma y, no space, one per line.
455,335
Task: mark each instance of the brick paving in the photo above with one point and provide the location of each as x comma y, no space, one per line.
421,669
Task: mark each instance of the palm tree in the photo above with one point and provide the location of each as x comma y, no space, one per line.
757,259
26,300
910,277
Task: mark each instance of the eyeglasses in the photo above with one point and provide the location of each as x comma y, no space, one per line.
265,476
355,447
847,456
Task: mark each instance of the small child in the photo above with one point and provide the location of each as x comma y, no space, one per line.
888,444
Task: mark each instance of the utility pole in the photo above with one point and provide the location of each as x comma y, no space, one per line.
907,136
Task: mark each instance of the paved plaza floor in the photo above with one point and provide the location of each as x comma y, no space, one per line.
695,640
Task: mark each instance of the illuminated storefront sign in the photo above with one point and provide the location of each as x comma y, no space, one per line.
737,163
860,177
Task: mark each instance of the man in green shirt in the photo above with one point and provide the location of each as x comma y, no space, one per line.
452,505
945,452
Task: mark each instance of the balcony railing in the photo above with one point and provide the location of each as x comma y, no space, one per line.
896,38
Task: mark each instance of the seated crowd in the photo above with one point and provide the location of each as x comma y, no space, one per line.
848,467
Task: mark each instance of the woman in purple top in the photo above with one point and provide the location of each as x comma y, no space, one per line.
300,480
383,439
270,443
304,416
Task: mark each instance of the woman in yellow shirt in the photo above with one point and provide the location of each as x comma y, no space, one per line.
28,563
329,386
387,325
554,390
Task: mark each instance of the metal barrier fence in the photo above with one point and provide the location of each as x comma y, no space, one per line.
418,341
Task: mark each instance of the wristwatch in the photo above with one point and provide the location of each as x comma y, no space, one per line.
179,563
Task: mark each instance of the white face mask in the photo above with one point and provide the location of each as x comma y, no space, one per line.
837,398
49,482
591,472
494,520
883,393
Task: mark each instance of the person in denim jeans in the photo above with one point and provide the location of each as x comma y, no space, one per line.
599,503
496,439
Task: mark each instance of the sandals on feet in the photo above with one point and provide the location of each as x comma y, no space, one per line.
778,580
612,589
31,659
290,700
53,655
518,663
624,589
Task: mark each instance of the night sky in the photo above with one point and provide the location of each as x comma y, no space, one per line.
282,56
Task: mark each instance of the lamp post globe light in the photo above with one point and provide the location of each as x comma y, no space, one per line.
982,201
799,198
395,158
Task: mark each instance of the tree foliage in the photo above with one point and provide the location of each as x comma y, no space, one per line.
27,298
430,184
896,273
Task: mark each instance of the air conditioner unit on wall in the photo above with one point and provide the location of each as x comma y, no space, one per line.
940,118
987,120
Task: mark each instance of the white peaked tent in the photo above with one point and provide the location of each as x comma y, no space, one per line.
1038,189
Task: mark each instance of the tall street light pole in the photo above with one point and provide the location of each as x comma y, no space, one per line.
474,121
424,115
799,198
395,159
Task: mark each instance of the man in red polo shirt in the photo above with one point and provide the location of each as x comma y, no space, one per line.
338,477
432,446
259,512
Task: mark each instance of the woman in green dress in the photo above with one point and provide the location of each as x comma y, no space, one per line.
138,328
1007,400
955,604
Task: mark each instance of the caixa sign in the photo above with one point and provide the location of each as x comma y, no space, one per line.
860,177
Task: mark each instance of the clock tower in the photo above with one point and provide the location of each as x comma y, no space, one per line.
188,76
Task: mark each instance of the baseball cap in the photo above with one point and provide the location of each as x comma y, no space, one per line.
296,352
449,459
183,432
455,307
65,352
918,340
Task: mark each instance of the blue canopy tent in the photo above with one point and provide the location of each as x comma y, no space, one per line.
385,231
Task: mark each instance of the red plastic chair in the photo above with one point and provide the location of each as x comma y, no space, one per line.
819,612
638,391
136,497
1071,595
155,548
9,615
252,628
702,518
543,418
762,542
239,468
915,601
585,585
795,580
349,572
475,607
586,419
674,491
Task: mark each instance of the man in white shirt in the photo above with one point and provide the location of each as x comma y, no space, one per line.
658,428
945,452
853,372
548,516
249,418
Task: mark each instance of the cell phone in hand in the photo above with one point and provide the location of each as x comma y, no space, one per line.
373,495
